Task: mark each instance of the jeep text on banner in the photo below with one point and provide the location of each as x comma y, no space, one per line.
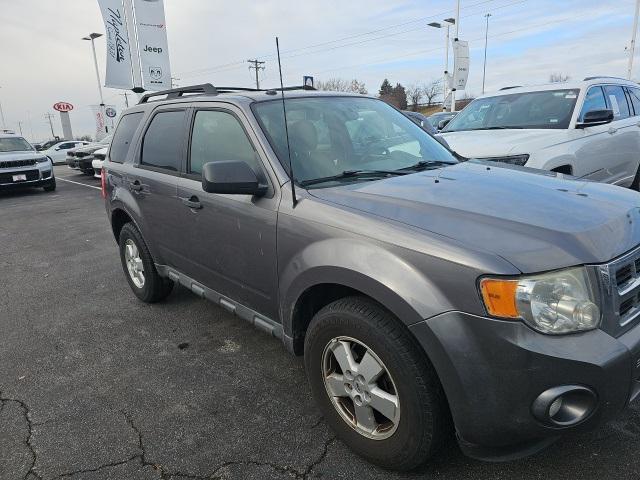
119,68
152,44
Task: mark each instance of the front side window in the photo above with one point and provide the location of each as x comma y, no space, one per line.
333,136
14,144
546,109
162,143
617,101
123,136
594,100
217,137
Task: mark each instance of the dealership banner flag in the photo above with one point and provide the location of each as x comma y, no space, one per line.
461,64
152,44
119,66
104,124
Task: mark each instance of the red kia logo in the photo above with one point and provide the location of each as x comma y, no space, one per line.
63,107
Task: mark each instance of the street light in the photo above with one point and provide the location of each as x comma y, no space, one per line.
447,22
486,37
92,37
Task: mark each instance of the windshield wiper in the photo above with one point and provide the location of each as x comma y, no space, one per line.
508,127
423,165
352,174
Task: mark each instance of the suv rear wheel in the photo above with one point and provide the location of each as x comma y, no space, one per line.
139,267
373,385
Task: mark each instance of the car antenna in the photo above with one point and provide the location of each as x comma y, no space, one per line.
286,128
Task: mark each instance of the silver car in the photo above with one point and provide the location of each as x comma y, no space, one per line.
21,165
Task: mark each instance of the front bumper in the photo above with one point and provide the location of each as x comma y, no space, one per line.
492,371
37,175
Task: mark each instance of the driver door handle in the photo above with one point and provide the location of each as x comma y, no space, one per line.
191,202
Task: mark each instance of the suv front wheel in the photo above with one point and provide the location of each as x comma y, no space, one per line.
139,267
373,385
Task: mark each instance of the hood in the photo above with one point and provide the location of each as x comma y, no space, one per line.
89,148
535,220
102,151
497,143
4,156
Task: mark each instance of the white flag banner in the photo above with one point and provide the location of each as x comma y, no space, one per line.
119,68
461,65
104,124
152,44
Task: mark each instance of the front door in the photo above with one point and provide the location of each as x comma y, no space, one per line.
231,239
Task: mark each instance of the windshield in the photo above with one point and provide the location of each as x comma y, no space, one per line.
15,144
543,109
333,135
436,118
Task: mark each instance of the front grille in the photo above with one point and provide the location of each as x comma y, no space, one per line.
8,177
81,154
17,163
71,154
621,286
99,156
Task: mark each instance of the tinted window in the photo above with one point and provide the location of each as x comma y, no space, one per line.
617,101
217,137
594,100
634,94
162,144
123,136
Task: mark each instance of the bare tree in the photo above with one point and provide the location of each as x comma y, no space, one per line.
415,94
558,78
432,90
341,85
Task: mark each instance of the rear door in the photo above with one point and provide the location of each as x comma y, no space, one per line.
153,182
231,239
623,132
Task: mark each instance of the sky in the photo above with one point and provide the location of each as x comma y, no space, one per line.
43,59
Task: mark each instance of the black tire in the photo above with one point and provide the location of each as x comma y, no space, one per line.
51,186
155,287
425,422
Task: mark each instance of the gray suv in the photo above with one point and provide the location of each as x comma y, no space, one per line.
21,165
427,296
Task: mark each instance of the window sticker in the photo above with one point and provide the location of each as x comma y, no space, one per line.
553,120
614,105
571,95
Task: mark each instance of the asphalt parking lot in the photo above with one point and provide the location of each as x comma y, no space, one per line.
97,385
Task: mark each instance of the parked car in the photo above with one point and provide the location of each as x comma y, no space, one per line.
422,121
440,120
98,160
588,129
46,145
82,158
22,166
58,151
422,291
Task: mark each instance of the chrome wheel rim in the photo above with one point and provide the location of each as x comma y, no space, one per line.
360,388
135,267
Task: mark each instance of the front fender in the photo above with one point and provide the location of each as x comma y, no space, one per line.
366,267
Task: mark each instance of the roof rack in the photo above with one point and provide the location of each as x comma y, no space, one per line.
509,88
209,89
597,77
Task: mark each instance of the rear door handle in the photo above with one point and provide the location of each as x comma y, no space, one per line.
192,202
135,186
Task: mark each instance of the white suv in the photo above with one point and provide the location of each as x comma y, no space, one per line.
589,129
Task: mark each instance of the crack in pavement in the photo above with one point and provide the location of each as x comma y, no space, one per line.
27,417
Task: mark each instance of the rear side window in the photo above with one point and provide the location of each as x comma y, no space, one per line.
162,143
617,101
123,137
594,100
217,137
634,94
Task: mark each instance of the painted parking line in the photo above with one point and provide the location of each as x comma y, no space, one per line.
77,183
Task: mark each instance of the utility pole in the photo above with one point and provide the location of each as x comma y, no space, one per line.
632,46
126,98
20,128
258,65
455,58
49,116
486,38
4,124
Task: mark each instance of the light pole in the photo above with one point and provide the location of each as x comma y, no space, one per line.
632,46
4,124
486,38
92,37
447,22
455,58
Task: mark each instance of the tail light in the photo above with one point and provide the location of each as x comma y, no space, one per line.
103,182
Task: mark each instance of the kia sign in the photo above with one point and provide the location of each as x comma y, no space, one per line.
63,107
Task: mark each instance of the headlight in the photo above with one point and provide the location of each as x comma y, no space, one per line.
552,303
512,160
42,159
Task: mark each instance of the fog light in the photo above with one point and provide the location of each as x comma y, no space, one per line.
564,406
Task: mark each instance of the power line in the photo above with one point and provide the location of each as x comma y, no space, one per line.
256,65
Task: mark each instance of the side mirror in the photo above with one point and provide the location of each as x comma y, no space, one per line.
443,123
231,177
595,117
